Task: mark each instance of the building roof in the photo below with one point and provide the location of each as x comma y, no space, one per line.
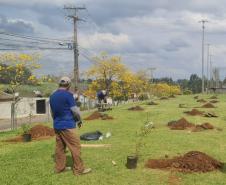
5,97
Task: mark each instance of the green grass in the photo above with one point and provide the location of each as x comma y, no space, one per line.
27,90
32,163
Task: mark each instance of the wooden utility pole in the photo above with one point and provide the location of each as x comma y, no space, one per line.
72,10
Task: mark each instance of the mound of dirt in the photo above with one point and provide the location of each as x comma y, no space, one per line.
194,112
214,101
136,108
193,161
204,126
38,132
181,124
98,115
201,101
164,98
152,103
213,97
196,97
208,105
41,131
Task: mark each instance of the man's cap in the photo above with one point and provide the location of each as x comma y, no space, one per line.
65,80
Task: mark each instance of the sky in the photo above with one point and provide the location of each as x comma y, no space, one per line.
161,34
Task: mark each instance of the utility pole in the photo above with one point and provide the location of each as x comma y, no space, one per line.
203,48
211,70
73,15
208,66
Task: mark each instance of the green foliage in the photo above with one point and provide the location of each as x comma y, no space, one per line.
187,92
25,128
8,75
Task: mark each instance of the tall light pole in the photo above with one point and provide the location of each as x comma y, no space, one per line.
208,66
203,48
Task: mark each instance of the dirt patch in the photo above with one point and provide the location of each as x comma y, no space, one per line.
164,98
213,97
152,103
38,132
193,161
41,131
208,105
194,112
98,115
214,101
181,124
201,101
202,127
136,108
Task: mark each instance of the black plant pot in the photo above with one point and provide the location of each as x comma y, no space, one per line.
27,137
132,161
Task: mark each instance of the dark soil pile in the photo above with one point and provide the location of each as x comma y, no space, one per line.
41,131
152,103
214,101
201,101
204,126
194,112
210,115
193,161
136,108
208,105
98,115
213,97
38,132
181,124
164,98
196,97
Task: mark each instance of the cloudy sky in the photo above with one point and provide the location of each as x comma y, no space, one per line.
164,34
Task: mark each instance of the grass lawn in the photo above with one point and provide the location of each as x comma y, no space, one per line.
32,163
27,90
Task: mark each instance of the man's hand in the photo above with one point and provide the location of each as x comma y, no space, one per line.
79,123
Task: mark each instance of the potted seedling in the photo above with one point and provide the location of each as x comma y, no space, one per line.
140,142
26,135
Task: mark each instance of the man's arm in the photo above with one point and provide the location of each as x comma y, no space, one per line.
76,113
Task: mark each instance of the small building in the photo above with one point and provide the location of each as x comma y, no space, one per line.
24,106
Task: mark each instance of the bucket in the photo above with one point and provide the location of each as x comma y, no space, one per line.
131,162
27,137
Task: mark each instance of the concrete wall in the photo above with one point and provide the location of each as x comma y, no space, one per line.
24,108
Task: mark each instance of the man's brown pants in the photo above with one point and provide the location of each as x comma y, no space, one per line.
68,138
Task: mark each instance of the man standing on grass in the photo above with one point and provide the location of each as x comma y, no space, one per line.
66,117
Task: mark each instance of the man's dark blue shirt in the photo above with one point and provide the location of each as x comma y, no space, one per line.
61,102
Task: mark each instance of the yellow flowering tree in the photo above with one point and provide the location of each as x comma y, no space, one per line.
16,69
105,70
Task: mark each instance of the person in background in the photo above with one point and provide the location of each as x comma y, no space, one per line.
66,117
102,96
